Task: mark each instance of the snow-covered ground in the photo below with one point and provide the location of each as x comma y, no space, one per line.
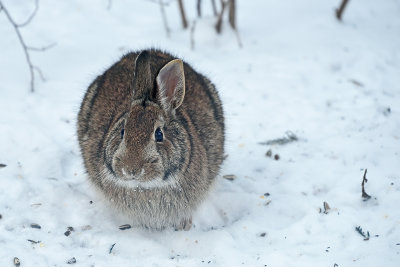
336,86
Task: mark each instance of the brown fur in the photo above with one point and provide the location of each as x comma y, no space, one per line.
159,184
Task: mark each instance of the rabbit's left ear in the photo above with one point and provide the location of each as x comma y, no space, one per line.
171,85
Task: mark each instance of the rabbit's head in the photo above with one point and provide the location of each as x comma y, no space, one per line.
147,144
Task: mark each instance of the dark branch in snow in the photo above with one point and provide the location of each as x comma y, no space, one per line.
164,18
112,246
199,8
218,26
290,137
214,7
340,10
364,195
26,48
183,15
360,231
192,29
31,16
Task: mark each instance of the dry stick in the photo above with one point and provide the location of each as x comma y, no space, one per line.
232,20
364,195
219,21
199,8
214,7
183,16
31,16
192,29
21,40
340,10
164,18
232,14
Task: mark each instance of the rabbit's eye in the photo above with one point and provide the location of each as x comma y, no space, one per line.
158,135
122,133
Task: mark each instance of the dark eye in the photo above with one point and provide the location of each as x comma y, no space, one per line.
158,135
122,133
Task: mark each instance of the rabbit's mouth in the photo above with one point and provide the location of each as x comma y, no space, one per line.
139,182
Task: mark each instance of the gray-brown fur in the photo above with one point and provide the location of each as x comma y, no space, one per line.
159,184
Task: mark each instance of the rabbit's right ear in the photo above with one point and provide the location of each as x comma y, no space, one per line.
142,83
171,85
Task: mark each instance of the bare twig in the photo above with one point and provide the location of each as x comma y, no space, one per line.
192,29
218,26
164,17
25,47
41,49
214,7
183,16
232,14
364,195
31,16
199,8
290,137
339,11
361,232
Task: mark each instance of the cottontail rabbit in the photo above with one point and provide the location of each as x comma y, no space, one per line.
151,132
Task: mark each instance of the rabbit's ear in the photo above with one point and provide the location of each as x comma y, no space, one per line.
142,81
171,85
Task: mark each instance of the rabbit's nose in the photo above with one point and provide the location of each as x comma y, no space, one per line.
131,172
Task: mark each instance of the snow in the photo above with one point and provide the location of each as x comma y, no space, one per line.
336,85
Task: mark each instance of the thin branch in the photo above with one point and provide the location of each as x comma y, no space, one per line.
183,16
232,14
214,6
41,49
364,194
339,11
31,16
164,17
199,8
218,26
32,68
192,29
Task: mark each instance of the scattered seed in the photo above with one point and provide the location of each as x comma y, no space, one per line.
360,231
355,82
229,177
2,165
1,216
125,226
70,228
33,241
269,153
90,202
17,263
335,265
326,207
266,194
398,244
67,233
267,203
263,234
86,227
36,226
276,157
387,111
225,156
71,261
36,204
112,246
